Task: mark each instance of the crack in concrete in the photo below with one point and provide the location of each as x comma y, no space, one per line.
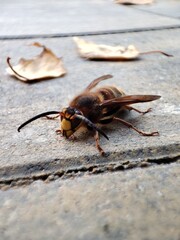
92,33
154,12
90,170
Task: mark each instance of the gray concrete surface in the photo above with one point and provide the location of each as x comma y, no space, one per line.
73,17
37,147
163,8
135,204
124,204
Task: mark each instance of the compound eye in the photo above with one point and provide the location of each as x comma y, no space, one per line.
70,111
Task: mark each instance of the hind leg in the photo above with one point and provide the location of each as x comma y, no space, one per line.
137,110
136,129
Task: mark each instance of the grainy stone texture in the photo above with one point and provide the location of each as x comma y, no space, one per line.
135,204
37,147
163,8
77,16
130,204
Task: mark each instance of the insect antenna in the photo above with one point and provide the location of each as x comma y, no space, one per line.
92,125
36,117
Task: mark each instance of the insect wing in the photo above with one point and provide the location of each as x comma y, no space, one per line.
97,80
127,100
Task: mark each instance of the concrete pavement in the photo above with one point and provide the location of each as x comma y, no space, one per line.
77,204
134,204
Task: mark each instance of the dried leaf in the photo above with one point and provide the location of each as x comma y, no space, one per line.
43,66
91,50
132,2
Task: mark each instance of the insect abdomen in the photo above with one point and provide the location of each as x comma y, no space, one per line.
108,93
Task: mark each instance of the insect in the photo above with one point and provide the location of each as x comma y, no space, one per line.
96,106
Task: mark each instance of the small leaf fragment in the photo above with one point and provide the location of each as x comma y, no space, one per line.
134,2
91,50
43,66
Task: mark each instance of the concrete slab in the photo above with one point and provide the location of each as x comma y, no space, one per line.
135,204
32,18
37,149
163,8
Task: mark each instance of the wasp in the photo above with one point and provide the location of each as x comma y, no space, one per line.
96,106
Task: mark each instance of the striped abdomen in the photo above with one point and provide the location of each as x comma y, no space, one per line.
107,93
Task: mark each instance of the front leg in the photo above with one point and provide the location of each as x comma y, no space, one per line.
52,118
58,131
72,137
96,137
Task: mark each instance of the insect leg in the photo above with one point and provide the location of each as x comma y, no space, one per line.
72,137
58,131
52,118
96,137
137,110
134,128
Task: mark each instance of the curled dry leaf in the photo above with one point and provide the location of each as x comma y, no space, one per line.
43,66
90,50
131,2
